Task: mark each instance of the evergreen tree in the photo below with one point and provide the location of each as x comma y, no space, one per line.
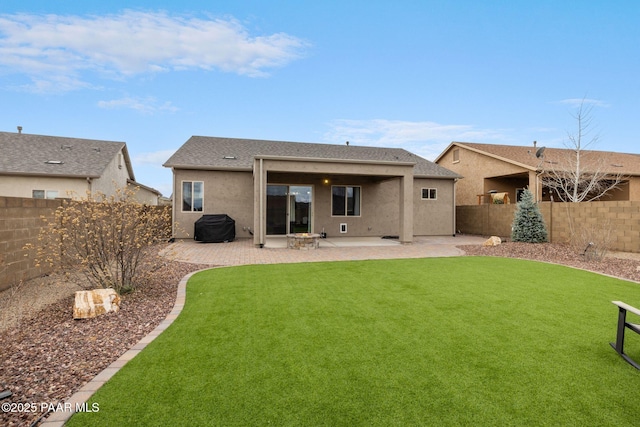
528,223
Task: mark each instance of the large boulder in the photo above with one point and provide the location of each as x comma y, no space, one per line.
493,241
95,302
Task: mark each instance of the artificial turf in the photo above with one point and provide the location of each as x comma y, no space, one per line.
436,341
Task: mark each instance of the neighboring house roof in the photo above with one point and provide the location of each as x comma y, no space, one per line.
525,156
144,187
213,153
39,155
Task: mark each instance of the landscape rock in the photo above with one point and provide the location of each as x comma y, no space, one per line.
493,241
95,302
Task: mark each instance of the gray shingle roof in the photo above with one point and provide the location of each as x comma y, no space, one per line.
209,153
26,154
605,161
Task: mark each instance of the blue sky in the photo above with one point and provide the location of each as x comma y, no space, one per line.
410,74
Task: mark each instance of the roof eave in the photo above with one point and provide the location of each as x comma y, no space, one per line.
334,160
456,176
145,187
504,159
50,175
207,168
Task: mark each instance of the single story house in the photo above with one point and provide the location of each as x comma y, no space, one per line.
52,167
508,169
277,188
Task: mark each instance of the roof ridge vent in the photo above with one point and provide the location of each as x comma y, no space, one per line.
229,157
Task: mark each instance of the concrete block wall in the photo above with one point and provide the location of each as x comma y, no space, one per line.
20,223
485,220
622,217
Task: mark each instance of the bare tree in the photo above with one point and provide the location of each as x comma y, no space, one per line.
580,175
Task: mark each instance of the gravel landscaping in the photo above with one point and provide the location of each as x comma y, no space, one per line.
46,356
617,264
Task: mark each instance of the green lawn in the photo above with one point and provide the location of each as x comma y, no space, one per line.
436,341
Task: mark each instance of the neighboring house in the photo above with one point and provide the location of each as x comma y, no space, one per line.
276,188
57,167
489,168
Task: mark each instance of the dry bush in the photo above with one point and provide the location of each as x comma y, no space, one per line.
593,240
109,238
8,307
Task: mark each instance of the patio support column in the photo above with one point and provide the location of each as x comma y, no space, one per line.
406,208
535,186
259,201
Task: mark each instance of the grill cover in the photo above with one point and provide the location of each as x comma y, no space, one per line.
215,229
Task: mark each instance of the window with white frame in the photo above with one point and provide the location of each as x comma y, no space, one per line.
192,196
44,194
429,194
345,200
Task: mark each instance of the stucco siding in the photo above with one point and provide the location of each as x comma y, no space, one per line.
634,188
232,193
225,192
379,214
114,176
143,195
433,217
23,186
474,168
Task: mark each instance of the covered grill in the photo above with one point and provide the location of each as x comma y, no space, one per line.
215,229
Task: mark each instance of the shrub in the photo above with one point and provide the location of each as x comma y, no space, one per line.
593,239
109,238
528,223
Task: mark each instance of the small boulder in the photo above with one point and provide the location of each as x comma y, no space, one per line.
95,302
493,241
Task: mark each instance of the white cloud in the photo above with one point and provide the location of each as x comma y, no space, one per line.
577,102
147,105
132,43
427,139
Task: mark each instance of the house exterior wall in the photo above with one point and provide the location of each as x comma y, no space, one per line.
233,193
379,214
482,173
339,173
225,192
634,188
143,195
379,204
434,217
474,168
23,186
114,176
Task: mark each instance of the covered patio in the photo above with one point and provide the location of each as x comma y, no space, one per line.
243,251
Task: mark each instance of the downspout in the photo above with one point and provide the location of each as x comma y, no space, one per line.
455,181
175,202
261,204
90,185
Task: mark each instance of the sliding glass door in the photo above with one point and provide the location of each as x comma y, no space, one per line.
289,209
